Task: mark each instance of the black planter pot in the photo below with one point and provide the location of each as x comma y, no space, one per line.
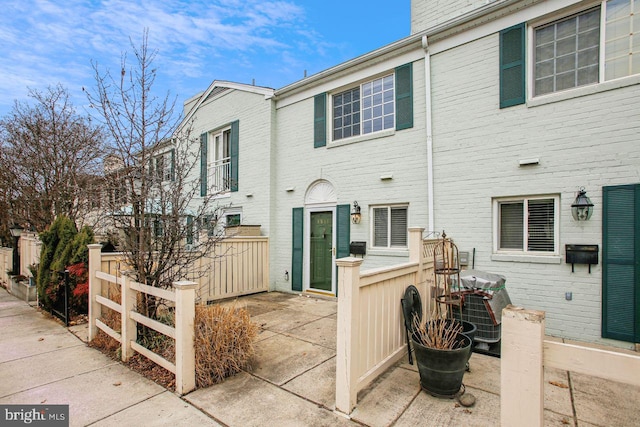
469,329
441,371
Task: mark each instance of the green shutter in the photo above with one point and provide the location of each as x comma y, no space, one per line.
343,234
320,120
233,153
296,257
621,263
159,171
343,227
203,164
512,66
189,230
404,96
173,164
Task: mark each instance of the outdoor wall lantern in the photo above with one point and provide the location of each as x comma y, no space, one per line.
356,216
582,208
16,231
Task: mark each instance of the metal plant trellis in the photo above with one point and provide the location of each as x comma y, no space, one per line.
446,263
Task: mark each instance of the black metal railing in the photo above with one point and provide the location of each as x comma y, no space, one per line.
60,308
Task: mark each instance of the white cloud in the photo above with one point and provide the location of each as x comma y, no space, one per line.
45,42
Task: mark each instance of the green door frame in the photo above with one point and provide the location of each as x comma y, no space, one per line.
321,250
331,208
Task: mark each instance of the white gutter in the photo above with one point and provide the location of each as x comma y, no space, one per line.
429,129
489,7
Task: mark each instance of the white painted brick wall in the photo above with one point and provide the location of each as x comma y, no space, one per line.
255,128
353,169
589,141
428,13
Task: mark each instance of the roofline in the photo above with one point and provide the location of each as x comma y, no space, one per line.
399,45
260,90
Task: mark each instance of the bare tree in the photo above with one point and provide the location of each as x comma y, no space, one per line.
151,176
48,153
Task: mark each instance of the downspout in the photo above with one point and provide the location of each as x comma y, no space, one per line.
427,86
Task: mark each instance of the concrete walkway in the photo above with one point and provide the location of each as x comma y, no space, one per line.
292,381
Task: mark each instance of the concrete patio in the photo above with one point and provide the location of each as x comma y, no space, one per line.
293,378
291,383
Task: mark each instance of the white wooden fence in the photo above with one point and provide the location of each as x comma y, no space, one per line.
29,246
183,296
237,266
525,353
6,264
370,330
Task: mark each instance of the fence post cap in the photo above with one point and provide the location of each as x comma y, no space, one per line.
95,246
185,284
349,261
520,313
420,229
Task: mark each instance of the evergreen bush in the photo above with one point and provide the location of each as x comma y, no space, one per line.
64,248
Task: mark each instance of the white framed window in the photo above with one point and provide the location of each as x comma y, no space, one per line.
588,47
622,46
164,164
219,161
389,226
368,108
527,225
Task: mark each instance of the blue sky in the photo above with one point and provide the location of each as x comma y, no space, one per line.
43,43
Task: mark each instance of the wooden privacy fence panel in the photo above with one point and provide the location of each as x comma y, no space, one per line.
370,332
183,297
238,266
380,316
112,262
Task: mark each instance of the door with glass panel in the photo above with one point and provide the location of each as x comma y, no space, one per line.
321,251
220,161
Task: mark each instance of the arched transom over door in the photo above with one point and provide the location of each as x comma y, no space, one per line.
321,192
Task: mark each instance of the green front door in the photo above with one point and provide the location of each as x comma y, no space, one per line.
321,250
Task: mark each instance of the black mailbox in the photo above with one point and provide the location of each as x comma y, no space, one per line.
358,248
581,254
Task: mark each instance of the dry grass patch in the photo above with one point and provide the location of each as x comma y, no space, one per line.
224,339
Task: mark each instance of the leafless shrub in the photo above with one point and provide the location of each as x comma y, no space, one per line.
437,333
224,342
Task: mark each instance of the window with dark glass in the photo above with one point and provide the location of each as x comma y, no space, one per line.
527,225
389,227
366,109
